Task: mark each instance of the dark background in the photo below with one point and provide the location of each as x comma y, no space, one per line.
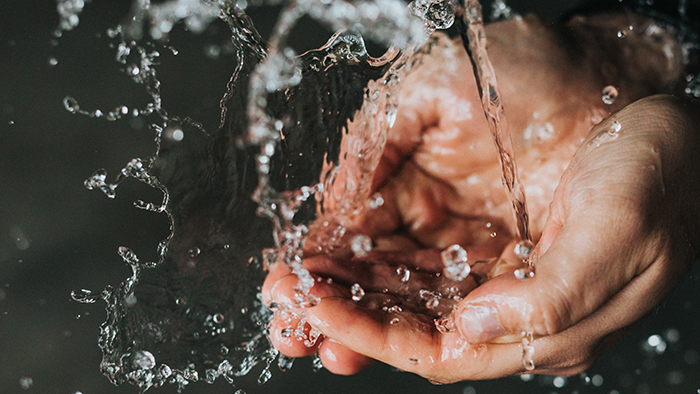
56,236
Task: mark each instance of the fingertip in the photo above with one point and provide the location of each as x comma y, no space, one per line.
340,360
285,339
478,323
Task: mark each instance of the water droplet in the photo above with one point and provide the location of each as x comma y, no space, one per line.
445,324
144,359
376,201
524,273
597,380
212,51
128,255
493,234
357,292
178,135
621,34
501,11
361,245
53,61
524,249
71,104
435,14
218,318
26,382
455,260
194,252
610,94
432,298
285,363
130,300
84,296
559,382
615,127
395,321
287,332
528,351
403,273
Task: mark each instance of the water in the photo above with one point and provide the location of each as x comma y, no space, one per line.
471,28
202,286
276,146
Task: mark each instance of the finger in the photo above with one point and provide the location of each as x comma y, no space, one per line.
598,238
410,343
292,336
340,360
275,272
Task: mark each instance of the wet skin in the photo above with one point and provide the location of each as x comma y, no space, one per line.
612,201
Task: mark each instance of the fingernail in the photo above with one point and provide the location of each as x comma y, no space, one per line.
478,324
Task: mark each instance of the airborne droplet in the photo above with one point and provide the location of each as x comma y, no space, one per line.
610,94
455,260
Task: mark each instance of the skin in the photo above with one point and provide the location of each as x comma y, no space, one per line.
611,193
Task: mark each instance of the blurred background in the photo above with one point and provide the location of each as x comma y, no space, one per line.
56,236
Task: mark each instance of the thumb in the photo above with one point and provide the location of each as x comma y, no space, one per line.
579,268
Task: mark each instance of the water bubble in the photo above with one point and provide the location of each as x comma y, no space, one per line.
361,245
610,94
144,359
194,252
527,377
621,34
357,292
455,260
524,249
395,321
469,390
53,61
26,382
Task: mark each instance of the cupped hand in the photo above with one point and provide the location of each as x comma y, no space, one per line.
619,235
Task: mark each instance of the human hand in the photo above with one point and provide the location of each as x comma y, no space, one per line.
577,290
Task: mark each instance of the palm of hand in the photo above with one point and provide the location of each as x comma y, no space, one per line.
437,195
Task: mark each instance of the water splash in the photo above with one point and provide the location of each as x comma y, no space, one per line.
69,15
